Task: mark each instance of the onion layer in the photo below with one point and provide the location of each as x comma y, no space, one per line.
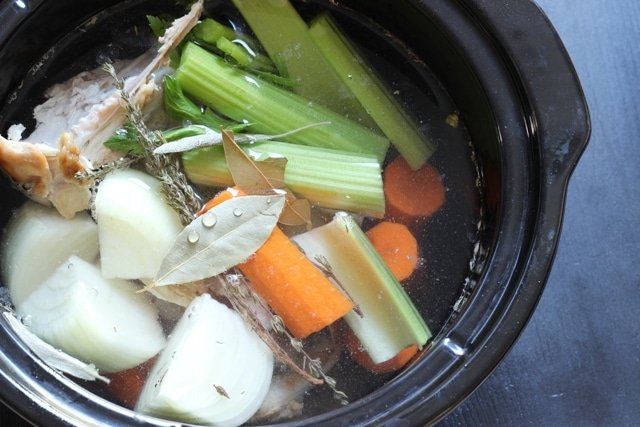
37,241
100,321
214,370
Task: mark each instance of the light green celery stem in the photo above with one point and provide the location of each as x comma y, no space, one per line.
210,30
327,178
241,47
233,50
390,322
284,35
374,95
256,63
270,109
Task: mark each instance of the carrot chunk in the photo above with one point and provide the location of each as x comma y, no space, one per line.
125,386
412,194
397,246
294,288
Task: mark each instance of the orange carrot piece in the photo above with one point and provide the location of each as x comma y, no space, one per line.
126,385
397,246
362,358
294,288
222,196
412,194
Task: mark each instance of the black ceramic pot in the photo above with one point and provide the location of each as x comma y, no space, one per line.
515,88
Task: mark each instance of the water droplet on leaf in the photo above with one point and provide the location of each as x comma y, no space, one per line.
193,237
209,219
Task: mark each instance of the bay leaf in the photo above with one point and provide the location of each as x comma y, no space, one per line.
272,168
298,212
225,236
249,176
243,169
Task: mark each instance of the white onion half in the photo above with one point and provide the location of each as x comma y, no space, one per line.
215,370
100,321
37,241
136,225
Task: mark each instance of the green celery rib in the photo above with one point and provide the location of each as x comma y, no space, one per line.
209,31
181,108
390,321
327,178
374,95
241,47
270,109
238,53
284,36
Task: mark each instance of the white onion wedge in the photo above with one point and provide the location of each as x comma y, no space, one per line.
136,226
215,370
37,241
100,321
53,357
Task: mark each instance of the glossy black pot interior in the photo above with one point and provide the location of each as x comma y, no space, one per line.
508,74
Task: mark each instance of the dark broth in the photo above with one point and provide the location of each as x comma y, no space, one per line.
446,241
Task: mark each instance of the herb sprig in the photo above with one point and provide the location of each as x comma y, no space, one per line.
176,189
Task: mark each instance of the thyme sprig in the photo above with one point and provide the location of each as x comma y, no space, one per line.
176,189
97,174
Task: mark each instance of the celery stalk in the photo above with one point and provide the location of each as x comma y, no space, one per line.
284,35
327,178
181,108
241,47
238,53
374,95
270,109
209,31
389,322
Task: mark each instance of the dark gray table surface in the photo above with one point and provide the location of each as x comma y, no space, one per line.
578,360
